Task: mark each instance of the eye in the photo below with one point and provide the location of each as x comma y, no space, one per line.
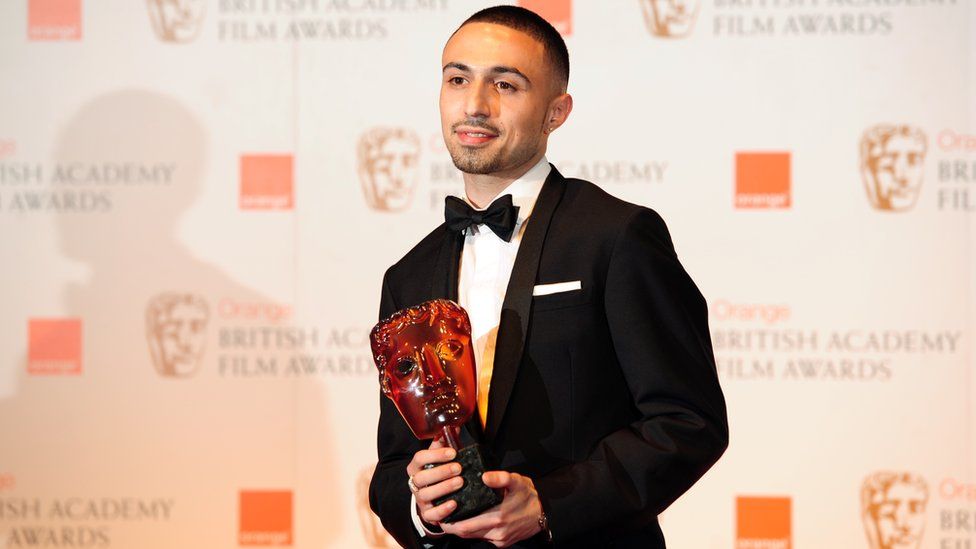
456,80
404,366
449,350
504,86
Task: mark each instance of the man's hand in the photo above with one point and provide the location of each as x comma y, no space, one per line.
435,482
514,519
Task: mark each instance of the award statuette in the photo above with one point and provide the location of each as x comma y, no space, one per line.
427,369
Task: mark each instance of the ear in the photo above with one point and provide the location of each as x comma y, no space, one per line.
559,109
385,385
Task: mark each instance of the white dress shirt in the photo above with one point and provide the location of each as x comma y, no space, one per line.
486,266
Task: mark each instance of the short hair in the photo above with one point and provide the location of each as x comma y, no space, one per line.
529,22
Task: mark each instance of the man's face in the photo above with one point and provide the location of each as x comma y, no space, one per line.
900,516
898,171
181,336
495,96
430,374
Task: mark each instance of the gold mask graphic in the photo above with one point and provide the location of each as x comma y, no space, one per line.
176,21
388,160
176,328
670,18
893,509
893,166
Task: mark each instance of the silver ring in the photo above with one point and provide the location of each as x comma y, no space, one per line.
412,486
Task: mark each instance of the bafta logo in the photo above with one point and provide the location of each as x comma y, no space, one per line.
388,159
892,166
176,328
670,18
893,509
177,21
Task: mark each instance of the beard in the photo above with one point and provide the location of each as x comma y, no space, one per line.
482,161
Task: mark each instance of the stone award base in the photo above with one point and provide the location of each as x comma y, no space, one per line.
474,497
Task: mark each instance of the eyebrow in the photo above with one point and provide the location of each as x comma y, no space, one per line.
494,70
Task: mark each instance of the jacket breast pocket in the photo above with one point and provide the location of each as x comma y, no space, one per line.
561,300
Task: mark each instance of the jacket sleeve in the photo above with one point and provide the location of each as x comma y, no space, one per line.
659,328
389,496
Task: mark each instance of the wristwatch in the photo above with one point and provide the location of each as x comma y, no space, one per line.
544,525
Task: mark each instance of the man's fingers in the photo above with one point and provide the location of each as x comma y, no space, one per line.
498,479
440,489
437,442
425,457
435,515
479,525
429,477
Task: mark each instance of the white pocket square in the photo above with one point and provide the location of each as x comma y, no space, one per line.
546,289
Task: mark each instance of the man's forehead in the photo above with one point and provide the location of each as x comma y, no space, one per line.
486,45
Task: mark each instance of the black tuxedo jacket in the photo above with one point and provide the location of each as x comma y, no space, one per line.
607,396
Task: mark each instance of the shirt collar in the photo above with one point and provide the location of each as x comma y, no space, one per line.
525,189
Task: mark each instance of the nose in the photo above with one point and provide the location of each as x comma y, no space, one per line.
184,336
900,169
477,103
902,519
433,369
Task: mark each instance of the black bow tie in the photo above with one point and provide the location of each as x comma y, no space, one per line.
500,216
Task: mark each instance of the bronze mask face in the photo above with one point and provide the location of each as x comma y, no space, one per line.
427,365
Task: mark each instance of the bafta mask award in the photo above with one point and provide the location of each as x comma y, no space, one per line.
426,367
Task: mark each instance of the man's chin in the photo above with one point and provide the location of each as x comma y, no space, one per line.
477,166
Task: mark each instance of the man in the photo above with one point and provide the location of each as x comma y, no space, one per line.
598,398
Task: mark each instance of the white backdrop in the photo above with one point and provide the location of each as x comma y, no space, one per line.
191,259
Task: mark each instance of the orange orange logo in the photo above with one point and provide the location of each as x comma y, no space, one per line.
763,523
893,509
265,517
266,182
176,330
54,19
762,180
176,21
388,164
54,346
893,165
559,13
670,18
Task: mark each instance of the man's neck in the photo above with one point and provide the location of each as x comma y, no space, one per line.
481,189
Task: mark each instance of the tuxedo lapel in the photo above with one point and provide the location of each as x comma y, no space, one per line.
444,279
514,321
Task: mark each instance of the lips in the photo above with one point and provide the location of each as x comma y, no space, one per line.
474,136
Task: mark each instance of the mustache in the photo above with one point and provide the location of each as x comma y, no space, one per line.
475,123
